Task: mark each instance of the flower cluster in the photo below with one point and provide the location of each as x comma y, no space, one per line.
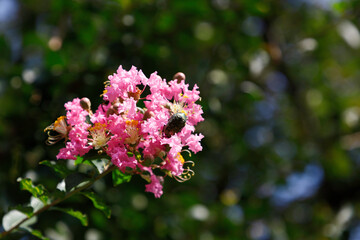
144,125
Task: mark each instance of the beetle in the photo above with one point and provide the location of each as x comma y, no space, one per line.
175,123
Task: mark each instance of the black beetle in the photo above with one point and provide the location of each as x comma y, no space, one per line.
176,122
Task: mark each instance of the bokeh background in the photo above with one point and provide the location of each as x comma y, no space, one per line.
280,90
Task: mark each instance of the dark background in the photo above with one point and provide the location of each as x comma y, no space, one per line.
280,90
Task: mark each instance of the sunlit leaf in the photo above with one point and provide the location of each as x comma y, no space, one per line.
60,187
100,164
37,191
79,160
120,177
138,155
14,217
77,214
340,6
38,234
27,210
98,203
75,180
36,203
58,166
34,232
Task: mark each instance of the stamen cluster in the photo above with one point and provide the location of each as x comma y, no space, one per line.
143,124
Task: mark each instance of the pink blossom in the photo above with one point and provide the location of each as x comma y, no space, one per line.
129,127
118,153
155,186
75,114
173,165
123,82
100,114
78,144
193,141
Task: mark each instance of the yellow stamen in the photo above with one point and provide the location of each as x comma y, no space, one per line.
178,107
97,127
132,123
133,131
99,135
104,92
180,158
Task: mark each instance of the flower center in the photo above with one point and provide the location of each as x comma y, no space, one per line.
132,130
178,107
99,136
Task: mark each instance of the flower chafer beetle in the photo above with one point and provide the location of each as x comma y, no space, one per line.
176,122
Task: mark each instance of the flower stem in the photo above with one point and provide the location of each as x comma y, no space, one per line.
109,169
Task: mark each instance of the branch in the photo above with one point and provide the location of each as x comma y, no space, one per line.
109,169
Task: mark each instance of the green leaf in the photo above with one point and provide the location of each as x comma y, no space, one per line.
79,160
120,177
75,180
27,210
147,177
14,217
36,203
77,214
58,166
37,234
158,161
34,232
98,203
88,120
37,191
340,7
147,162
138,155
100,164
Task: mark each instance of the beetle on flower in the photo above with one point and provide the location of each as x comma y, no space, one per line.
137,139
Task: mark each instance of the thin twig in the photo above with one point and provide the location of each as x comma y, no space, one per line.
109,169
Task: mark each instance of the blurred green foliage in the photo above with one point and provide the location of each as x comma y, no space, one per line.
280,92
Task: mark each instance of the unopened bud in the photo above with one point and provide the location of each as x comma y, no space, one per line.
120,100
161,154
116,106
161,179
167,106
110,111
148,161
135,95
179,77
85,103
148,114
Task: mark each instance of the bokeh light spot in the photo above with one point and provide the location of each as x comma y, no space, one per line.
199,212
55,43
204,31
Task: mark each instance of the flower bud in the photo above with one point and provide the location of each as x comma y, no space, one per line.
85,103
161,154
110,111
115,106
161,179
148,161
179,77
135,95
148,114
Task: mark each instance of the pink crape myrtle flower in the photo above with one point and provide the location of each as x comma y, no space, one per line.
155,186
76,118
138,132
